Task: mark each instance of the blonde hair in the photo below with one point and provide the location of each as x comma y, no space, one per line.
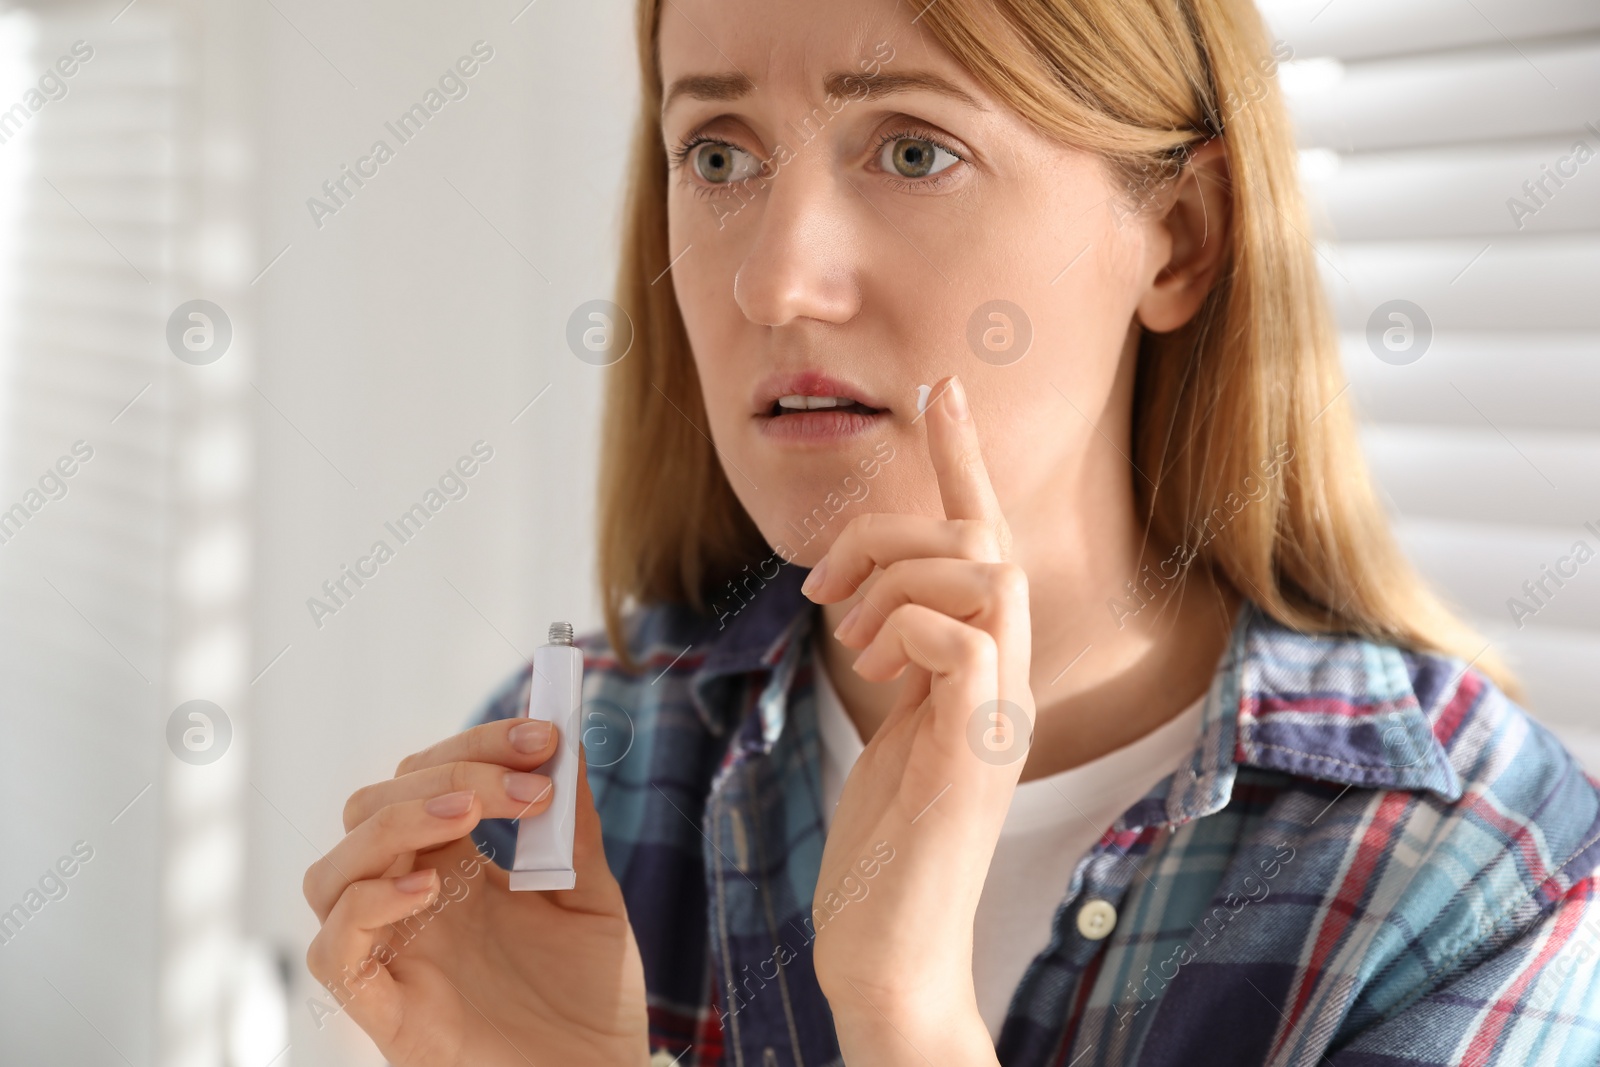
1255,374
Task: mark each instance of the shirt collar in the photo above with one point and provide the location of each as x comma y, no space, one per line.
1335,707
1347,709
752,640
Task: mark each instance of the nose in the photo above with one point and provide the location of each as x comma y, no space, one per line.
803,260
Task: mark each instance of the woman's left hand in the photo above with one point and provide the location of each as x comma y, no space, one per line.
893,949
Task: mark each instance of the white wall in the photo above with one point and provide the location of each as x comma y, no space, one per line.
367,357
412,324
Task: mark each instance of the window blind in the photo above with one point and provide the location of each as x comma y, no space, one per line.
1451,151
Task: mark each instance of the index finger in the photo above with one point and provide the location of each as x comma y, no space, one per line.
964,484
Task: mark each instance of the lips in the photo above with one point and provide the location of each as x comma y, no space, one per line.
813,408
795,395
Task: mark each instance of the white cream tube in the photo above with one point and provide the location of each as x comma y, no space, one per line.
555,694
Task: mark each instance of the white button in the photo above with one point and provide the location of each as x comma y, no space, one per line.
1096,919
663,1058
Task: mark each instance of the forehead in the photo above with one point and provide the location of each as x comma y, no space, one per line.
794,45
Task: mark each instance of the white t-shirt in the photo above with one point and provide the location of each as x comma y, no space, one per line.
1051,824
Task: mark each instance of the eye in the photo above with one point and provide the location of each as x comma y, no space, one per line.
719,163
915,157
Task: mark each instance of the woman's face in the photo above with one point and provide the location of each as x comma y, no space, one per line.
854,217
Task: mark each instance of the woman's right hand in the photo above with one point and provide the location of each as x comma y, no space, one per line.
431,953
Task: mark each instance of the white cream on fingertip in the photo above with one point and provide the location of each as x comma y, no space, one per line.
922,398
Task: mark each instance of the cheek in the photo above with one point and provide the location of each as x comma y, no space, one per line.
697,274
718,353
684,219
1089,310
1053,250
1043,410
703,287
1096,301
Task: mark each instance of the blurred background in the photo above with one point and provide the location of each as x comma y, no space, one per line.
221,377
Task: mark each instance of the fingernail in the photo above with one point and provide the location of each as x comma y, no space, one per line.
526,787
449,805
955,400
410,883
530,736
859,660
848,620
813,580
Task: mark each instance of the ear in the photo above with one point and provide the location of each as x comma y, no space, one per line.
1188,240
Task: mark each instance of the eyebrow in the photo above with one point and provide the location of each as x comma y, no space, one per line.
847,83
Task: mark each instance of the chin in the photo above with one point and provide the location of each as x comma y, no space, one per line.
801,534
803,527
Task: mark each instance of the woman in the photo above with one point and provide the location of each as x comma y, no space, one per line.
1109,725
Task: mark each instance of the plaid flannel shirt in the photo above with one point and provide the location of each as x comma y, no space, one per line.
1373,858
